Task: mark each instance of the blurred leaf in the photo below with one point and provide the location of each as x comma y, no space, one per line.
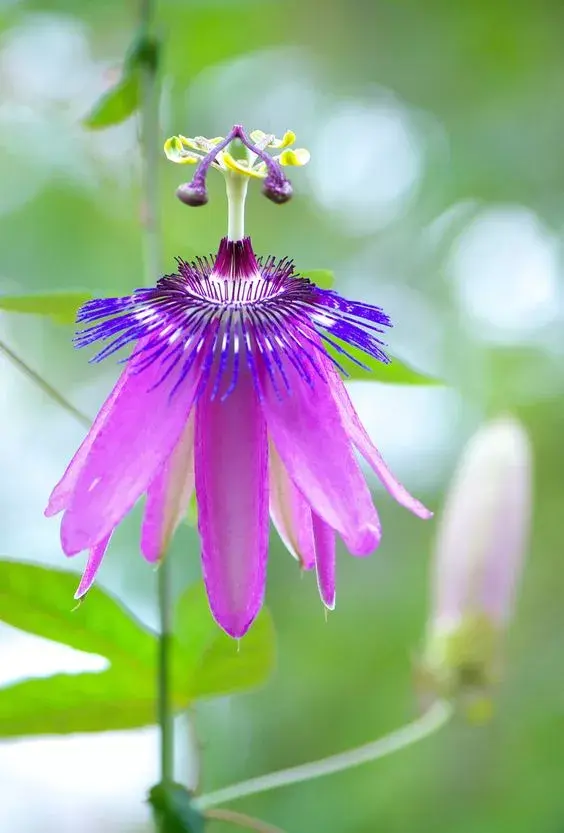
396,373
117,103
174,811
209,661
323,278
144,51
39,600
60,306
68,703
191,515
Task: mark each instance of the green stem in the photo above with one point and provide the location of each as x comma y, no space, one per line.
151,151
437,716
150,147
51,392
243,820
166,716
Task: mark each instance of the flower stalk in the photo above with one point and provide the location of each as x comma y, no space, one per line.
243,820
150,151
430,722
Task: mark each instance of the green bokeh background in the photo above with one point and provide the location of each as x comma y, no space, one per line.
480,85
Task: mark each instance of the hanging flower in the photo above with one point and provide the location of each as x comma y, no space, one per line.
481,543
232,388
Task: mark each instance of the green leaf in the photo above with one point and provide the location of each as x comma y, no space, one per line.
208,661
174,811
323,278
68,703
396,373
39,600
60,306
117,103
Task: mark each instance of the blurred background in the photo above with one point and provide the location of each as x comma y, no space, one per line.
436,189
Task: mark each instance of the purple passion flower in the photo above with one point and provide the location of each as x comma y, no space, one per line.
233,389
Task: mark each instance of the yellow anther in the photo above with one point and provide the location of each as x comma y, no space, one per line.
298,157
175,151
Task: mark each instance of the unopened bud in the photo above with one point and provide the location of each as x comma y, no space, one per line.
479,553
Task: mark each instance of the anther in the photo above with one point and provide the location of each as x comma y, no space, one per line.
276,186
279,191
192,195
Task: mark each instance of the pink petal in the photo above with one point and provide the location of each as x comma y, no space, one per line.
142,426
325,560
366,447
63,490
306,429
168,497
95,557
231,462
483,531
290,513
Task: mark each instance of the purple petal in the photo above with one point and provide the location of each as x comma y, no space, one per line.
168,497
290,513
95,557
62,492
325,558
306,429
231,462
143,424
366,447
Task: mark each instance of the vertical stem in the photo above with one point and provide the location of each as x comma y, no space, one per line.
150,149
150,145
166,717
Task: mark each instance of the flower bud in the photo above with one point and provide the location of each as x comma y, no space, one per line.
478,560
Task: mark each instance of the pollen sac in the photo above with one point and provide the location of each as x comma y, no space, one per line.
277,192
191,194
